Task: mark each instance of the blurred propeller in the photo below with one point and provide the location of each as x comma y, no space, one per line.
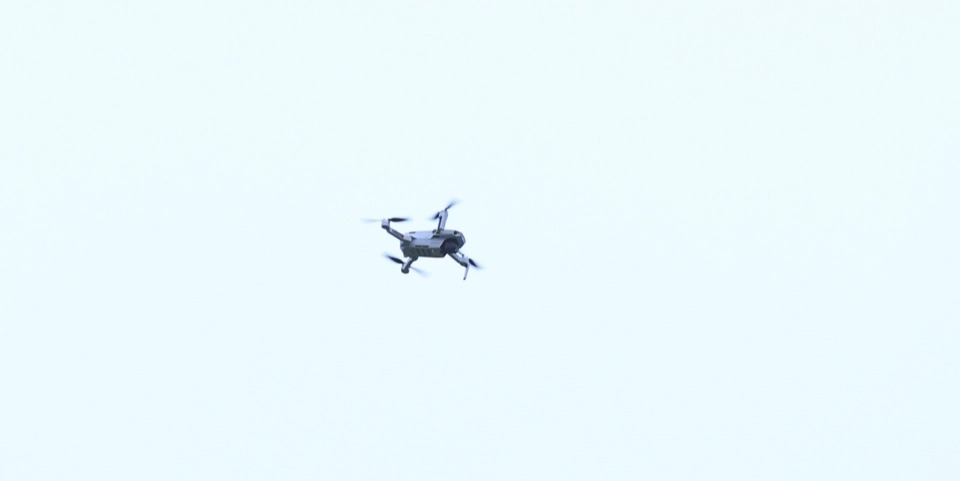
470,262
451,204
400,261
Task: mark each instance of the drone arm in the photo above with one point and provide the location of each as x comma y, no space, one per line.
443,220
463,261
385,224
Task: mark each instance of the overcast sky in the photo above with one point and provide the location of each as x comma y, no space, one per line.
720,240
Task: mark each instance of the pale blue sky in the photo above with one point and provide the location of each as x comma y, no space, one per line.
720,240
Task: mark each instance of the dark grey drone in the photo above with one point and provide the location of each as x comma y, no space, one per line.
439,242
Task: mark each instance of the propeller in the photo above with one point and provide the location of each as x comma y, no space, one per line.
451,204
470,262
400,261
391,219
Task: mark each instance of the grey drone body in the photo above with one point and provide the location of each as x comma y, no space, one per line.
431,243
440,242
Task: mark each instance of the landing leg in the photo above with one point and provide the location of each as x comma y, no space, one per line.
464,261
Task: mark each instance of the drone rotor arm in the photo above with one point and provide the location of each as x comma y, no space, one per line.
463,260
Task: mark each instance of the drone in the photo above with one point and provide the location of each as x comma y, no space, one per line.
439,242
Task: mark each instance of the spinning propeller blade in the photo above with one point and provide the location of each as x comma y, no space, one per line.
451,204
400,261
391,219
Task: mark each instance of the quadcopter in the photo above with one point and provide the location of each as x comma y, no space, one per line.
438,243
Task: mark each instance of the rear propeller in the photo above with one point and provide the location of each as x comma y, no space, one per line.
401,262
391,219
451,204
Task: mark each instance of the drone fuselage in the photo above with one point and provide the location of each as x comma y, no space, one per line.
431,243
440,242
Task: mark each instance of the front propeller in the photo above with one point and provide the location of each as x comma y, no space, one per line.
466,262
402,262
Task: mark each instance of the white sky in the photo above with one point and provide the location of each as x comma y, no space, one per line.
720,240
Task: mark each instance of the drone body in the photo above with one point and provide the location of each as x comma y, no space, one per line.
429,243
439,242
